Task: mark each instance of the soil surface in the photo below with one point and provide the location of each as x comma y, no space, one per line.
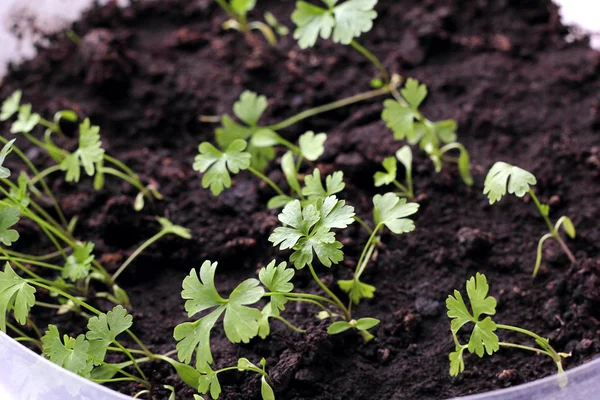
502,69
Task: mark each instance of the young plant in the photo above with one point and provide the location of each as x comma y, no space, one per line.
238,13
503,176
436,139
404,155
389,211
482,337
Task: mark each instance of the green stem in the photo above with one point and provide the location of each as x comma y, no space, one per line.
288,324
554,354
133,182
267,181
47,305
45,173
329,107
137,252
371,57
32,262
363,224
338,302
365,249
528,348
404,189
48,256
135,364
45,187
309,301
121,165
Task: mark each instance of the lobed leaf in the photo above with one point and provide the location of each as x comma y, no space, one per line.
16,294
390,211
497,181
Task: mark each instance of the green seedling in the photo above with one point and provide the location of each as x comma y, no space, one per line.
404,155
238,13
436,139
503,176
482,337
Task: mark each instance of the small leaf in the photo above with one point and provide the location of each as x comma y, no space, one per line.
399,118
265,390
446,130
209,381
311,22
241,7
16,294
169,227
357,290
9,216
385,178
414,93
352,18
250,107
464,167
338,327
88,154
457,363
72,355
218,165
265,138
311,145
79,264
568,226
5,172
497,178
364,324
279,201
314,189
289,170
404,155
243,364
104,329
11,105
390,210
26,121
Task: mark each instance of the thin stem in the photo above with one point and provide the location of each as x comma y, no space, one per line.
555,356
331,106
45,187
45,173
371,57
288,324
35,258
121,165
302,296
47,305
364,252
135,364
543,214
519,346
338,302
133,182
363,224
563,245
137,252
32,262
402,187
267,181
316,303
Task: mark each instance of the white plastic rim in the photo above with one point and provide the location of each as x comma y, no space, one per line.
24,375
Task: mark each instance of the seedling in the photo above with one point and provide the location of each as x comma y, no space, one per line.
482,338
238,12
403,117
404,155
503,176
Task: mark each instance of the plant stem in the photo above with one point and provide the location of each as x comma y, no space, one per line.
338,302
331,106
137,252
555,356
363,224
135,364
288,324
518,346
32,262
133,182
267,181
359,267
35,258
371,57
315,297
551,228
45,173
301,300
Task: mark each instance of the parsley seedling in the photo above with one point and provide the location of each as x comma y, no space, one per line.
403,117
238,12
483,338
503,176
404,155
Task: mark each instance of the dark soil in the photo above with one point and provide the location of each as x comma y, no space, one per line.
502,68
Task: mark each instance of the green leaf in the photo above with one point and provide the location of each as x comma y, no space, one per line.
279,201
209,381
104,329
5,172
9,215
264,329
314,189
390,211
289,170
399,118
310,230
188,374
218,165
11,105
87,155
244,364
240,323
457,363
79,264
241,7
364,324
464,167
265,138
231,131
20,192
250,107
414,93
404,155
265,390
483,339
72,355
26,121
311,145
352,18
338,327
168,226
311,22
446,130
385,178
497,178
15,293
277,279
357,290
567,225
